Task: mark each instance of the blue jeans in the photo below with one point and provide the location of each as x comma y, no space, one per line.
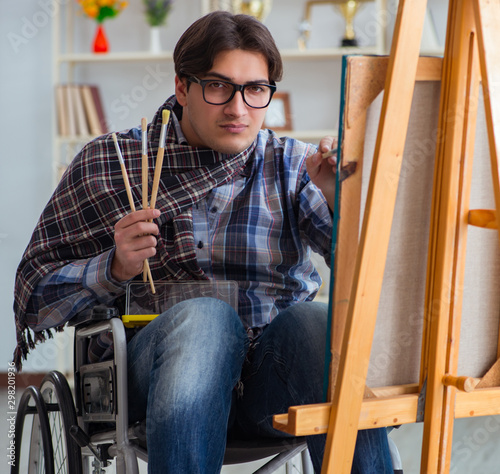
183,370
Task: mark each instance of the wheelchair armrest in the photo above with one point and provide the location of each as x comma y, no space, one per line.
94,315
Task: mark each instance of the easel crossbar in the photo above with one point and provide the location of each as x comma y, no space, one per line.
306,420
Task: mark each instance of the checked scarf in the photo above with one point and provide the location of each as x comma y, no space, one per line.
78,222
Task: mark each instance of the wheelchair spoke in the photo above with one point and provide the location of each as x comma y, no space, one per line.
61,411
36,456
58,442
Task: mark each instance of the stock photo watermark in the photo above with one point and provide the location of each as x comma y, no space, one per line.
11,414
154,77
30,27
467,445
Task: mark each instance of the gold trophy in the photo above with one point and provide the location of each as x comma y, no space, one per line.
348,8
256,8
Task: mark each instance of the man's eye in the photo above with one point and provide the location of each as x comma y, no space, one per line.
255,89
217,85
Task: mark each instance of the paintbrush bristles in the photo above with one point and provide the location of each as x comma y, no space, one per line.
165,116
117,148
159,157
163,132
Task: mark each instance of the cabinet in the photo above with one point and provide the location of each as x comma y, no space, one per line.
134,82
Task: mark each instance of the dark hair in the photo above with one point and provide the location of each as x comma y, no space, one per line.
220,31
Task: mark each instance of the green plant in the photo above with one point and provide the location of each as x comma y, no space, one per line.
157,11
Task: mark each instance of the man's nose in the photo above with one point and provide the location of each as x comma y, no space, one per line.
237,106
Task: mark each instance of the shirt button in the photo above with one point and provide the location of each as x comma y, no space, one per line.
214,210
200,244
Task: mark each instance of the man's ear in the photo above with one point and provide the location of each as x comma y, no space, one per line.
181,91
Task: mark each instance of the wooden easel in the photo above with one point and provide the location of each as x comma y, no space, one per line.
471,54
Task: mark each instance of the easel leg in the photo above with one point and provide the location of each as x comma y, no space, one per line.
374,239
458,273
442,292
468,22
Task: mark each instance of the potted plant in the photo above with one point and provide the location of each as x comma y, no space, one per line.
156,12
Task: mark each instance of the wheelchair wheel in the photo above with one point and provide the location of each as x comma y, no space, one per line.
40,453
62,415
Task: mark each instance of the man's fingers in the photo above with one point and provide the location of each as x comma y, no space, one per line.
313,165
327,143
139,216
140,221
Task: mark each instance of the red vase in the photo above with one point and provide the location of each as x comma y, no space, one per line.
101,44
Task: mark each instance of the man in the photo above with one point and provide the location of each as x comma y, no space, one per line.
235,203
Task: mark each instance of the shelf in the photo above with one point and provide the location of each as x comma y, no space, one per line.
325,53
286,54
110,57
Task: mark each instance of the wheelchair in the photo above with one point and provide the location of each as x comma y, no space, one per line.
84,433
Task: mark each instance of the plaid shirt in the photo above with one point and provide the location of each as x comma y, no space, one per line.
257,229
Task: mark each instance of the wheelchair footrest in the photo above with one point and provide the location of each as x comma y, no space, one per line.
81,438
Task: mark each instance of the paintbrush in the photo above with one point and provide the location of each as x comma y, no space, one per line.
329,153
130,199
144,180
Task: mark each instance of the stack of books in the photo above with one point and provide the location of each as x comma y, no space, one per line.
79,110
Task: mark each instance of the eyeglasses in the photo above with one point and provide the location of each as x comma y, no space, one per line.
216,92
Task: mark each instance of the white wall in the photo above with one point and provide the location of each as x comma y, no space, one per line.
25,130
26,107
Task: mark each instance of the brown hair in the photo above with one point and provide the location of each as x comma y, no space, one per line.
220,31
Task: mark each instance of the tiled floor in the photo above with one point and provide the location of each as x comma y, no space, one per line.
476,446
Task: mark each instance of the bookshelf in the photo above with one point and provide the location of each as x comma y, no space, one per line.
69,63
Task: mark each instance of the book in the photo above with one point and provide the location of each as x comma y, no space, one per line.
80,117
91,111
70,110
61,111
100,109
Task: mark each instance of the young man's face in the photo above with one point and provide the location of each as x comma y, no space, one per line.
228,128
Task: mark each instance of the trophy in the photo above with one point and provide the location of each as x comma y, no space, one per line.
348,9
256,8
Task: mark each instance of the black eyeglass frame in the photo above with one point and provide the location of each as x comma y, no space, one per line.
236,88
